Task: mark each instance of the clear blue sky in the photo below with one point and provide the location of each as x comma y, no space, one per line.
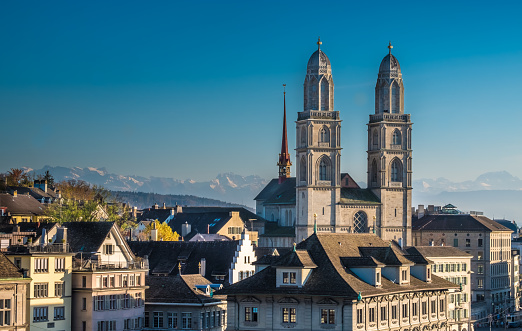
191,89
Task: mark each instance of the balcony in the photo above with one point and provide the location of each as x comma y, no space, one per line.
48,248
92,264
318,114
390,118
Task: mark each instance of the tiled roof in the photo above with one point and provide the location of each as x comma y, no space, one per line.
176,289
87,236
151,214
35,227
463,222
331,277
22,204
299,258
437,251
8,269
278,194
35,192
508,224
358,196
164,256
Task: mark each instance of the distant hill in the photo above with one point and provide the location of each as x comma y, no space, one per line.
146,200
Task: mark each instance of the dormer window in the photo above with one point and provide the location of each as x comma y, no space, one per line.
289,277
378,278
108,249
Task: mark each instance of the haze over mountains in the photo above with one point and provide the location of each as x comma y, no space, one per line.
497,194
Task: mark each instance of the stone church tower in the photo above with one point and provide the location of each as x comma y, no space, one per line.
318,151
389,154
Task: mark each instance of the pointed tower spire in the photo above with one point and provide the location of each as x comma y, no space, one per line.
284,158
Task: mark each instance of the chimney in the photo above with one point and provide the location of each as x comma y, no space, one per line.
156,206
154,235
173,212
400,242
61,235
15,193
134,212
179,210
203,267
208,228
420,211
185,229
164,206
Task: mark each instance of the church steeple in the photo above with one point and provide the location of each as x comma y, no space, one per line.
318,85
284,158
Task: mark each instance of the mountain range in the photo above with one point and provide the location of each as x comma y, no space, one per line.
497,194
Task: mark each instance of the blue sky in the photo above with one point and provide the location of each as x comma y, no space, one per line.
192,89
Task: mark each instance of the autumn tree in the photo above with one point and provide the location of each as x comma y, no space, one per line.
18,177
164,231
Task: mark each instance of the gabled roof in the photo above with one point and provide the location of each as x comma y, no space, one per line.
299,259
462,222
87,236
151,214
35,227
35,192
388,255
22,204
8,269
358,196
361,261
176,289
278,194
165,256
508,224
331,277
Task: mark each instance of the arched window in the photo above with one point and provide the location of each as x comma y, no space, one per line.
374,173
395,99
397,137
396,171
313,96
303,136
360,222
325,169
324,135
375,139
302,169
325,105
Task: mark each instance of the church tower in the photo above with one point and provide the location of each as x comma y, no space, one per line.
318,151
284,157
390,154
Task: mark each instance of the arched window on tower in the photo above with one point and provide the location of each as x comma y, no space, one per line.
324,135
397,140
325,169
360,222
303,136
396,171
374,173
313,95
302,169
325,95
375,139
395,99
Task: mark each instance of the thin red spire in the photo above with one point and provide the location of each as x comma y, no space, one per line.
284,158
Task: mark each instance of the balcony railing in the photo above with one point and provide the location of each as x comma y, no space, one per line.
47,248
389,118
318,114
87,264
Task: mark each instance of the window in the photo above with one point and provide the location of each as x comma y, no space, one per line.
455,242
125,282
360,221
394,312
375,139
108,249
441,267
18,262
40,314
480,269
41,290
172,320
84,303
480,255
414,309
41,265
442,307
324,169
481,243
186,320
157,319
378,277
424,308
404,310
464,266
371,315
107,326
327,316
58,289
396,138
324,135
383,313
59,313
5,312
84,281
374,172
59,264
289,315
433,307
360,316
251,314
468,242
113,302
396,171
302,169
480,282
404,275
289,277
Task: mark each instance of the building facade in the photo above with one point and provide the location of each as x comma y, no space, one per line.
14,287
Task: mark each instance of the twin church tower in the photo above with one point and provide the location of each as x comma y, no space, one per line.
326,200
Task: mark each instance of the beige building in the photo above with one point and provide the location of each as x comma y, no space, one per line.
341,282
49,296
454,265
490,245
13,296
318,197
108,281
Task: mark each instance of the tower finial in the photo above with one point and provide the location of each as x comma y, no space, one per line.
319,43
390,47
284,157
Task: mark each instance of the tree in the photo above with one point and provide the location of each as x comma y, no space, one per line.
164,231
47,177
18,177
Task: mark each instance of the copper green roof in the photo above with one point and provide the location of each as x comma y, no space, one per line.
358,196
